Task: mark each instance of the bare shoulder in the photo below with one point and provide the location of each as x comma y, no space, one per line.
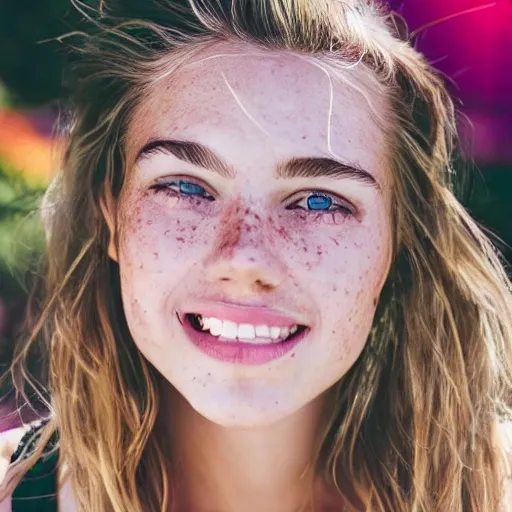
67,499
9,441
505,440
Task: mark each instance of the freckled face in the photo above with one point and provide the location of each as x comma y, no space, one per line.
315,248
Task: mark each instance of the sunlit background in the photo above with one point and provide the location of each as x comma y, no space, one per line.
469,41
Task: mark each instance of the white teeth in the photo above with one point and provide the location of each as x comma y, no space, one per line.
262,331
245,332
275,332
229,330
205,323
215,326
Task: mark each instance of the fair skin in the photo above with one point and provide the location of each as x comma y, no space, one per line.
246,432
255,239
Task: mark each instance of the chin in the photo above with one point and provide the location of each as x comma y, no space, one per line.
234,414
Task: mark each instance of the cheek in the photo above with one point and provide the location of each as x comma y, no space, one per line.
343,269
158,246
156,237
341,255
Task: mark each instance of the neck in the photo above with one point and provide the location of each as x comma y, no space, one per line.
251,469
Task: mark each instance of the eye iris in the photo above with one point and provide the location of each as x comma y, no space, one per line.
319,202
190,188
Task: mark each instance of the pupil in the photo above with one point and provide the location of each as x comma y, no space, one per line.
190,188
318,202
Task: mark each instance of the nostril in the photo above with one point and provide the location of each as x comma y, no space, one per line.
264,286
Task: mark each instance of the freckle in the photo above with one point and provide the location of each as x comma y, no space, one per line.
282,231
304,137
141,266
180,239
346,292
333,332
149,222
167,232
334,288
252,260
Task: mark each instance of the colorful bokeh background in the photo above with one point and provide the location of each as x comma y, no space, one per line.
469,41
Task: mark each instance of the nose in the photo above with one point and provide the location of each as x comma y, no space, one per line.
245,259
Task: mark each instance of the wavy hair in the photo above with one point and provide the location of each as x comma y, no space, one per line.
415,420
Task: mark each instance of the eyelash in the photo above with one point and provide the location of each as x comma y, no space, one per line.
335,205
167,187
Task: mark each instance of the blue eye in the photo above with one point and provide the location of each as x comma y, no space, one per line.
319,202
183,188
191,189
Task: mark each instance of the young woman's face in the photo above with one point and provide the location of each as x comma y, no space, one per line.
253,232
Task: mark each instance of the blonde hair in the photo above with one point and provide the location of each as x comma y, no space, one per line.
414,420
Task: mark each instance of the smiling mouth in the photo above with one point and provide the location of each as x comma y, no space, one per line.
231,332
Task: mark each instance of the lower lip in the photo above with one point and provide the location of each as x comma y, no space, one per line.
237,352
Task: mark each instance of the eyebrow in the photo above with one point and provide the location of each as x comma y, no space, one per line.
299,167
190,152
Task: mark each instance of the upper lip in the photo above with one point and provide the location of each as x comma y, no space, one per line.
244,314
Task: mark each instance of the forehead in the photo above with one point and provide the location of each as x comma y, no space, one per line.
236,92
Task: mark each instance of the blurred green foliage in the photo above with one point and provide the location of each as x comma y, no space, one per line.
21,233
21,247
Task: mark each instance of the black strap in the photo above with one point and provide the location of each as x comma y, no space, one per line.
37,491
